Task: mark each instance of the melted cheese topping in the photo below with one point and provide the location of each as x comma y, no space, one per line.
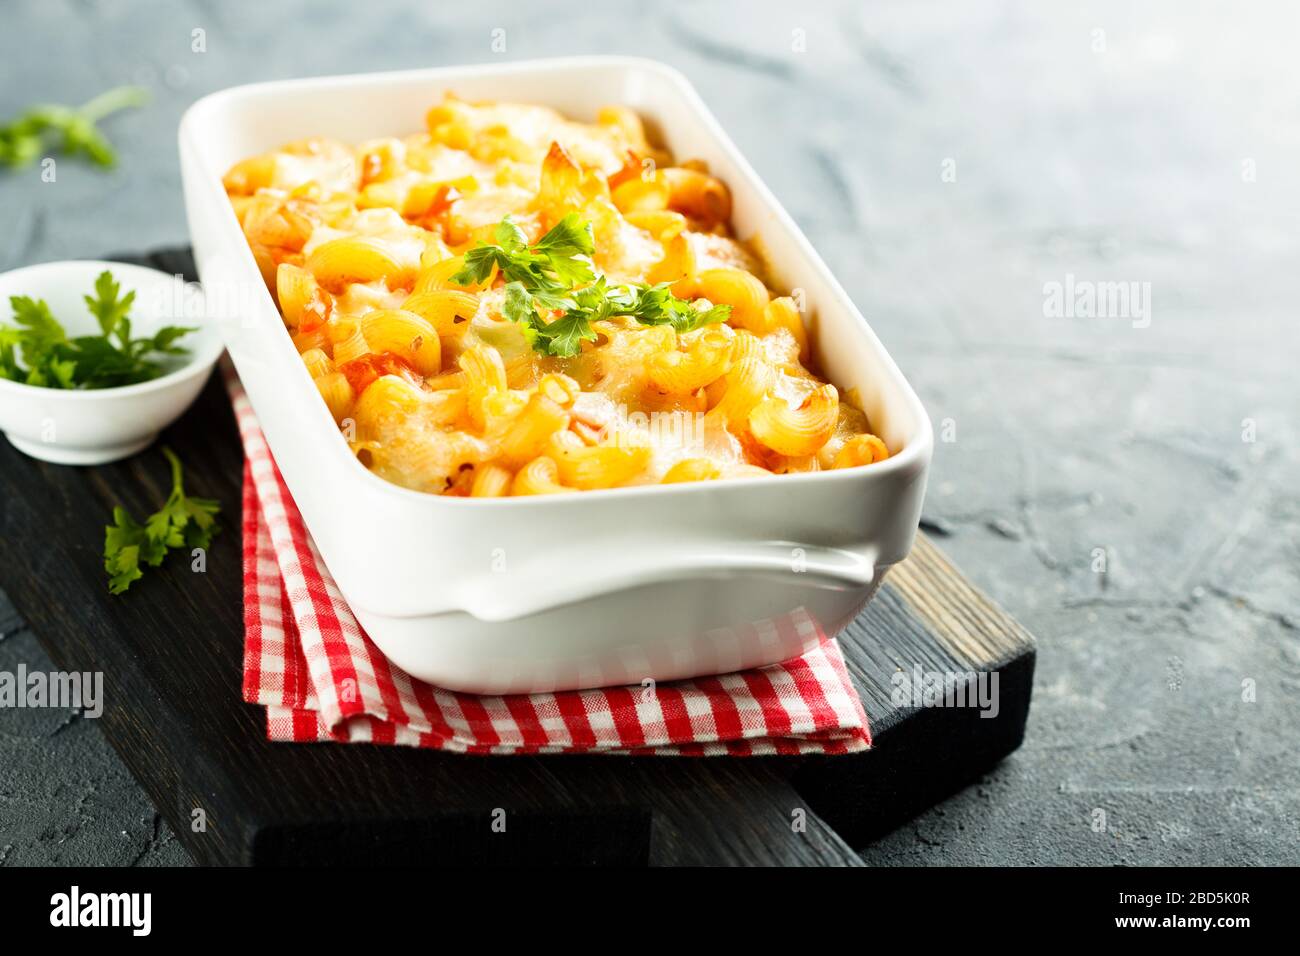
437,391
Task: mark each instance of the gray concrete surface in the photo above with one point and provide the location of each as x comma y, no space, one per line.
948,160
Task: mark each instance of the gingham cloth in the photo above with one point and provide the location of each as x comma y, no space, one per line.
320,678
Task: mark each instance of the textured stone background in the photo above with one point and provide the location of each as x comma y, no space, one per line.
1120,155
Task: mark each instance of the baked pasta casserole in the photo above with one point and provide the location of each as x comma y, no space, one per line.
514,303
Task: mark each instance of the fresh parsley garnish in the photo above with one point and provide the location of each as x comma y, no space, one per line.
182,522
556,275
49,358
549,269
25,139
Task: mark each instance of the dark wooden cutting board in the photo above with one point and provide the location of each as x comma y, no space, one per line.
170,651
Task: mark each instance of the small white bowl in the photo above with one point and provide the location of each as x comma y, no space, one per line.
94,426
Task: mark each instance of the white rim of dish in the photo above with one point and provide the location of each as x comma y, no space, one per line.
196,362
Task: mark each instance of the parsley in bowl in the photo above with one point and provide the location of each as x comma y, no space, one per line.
37,350
96,358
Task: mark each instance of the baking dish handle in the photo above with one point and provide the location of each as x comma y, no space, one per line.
824,568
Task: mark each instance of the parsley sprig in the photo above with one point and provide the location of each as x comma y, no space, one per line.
556,275
182,522
26,138
49,358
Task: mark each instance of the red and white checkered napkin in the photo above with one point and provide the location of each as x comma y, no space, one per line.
321,678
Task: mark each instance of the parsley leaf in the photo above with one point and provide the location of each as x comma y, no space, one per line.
551,266
182,522
126,544
519,306
564,336
41,330
107,306
51,360
43,344
556,275
25,139
565,246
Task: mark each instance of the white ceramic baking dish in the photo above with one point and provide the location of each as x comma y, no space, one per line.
590,589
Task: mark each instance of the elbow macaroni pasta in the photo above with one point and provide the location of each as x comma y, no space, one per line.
437,391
